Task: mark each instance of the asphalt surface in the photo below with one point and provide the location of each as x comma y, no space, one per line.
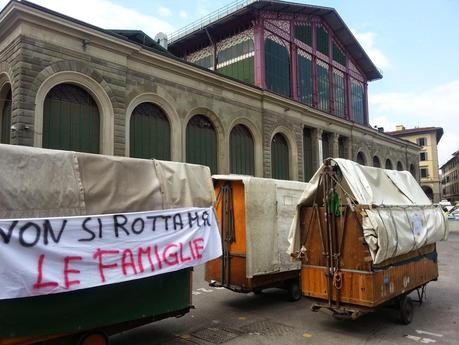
225,317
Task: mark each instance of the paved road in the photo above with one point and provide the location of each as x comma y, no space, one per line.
222,316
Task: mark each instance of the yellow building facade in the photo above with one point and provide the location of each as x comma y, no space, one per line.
427,138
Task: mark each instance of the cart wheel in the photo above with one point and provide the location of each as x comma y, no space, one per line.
406,310
257,291
98,338
294,292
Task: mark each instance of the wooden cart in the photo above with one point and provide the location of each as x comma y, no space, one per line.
338,269
245,266
109,185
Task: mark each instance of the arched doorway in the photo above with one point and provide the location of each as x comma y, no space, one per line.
376,162
399,166
150,135
280,158
5,115
388,164
242,152
361,158
201,142
428,191
71,120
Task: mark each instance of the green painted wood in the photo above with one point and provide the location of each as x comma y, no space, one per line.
6,120
323,86
86,309
242,156
71,120
279,158
304,34
201,142
150,135
322,40
305,81
242,70
357,101
307,154
338,94
277,67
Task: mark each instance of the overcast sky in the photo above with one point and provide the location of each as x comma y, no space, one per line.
414,42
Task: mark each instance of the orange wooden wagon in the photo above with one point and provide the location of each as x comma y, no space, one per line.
365,237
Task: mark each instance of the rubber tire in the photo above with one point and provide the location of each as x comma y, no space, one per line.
406,310
96,338
294,292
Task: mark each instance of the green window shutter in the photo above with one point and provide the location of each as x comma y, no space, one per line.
305,81
201,142
149,133
6,120
277,67
338,55
71,120
279,158
357,101
339,94
242,70
322,40
307,154
304,34
325,145
242,157
323,87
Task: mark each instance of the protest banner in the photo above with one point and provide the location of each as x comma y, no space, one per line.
53,255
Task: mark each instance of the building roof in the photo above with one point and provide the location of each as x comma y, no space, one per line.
240,10
418,130
454,155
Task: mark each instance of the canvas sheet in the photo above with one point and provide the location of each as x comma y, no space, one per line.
49,183
270,208
52,255
401,217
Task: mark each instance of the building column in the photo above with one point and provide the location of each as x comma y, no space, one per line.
334,145
259,41
317,148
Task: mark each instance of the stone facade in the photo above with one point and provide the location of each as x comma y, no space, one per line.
39,50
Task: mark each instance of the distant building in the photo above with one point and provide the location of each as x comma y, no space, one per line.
427,138
450,179
263,88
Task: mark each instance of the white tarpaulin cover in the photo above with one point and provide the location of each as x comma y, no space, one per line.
401,218
38,184
270,207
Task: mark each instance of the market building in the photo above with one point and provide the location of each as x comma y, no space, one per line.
427,138
450,178
264,88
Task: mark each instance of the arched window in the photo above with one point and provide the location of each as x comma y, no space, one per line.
376,162
399,166
242,157
6,118
388,164
71,120
361,158
149,133
279,158
277,67
201,142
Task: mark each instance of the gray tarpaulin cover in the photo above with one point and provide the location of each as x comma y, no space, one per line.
270,206
401,218
37,182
